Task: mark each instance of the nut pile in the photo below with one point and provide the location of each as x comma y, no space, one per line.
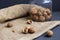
42,14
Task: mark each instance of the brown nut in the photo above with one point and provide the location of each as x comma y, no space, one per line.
33,10
40,13
41,10
35,18
42,18
31,30
48,17
49,33
29,21
25,30
45,14
48,11
9,25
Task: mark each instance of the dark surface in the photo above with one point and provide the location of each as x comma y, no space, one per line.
56,5
7,3
56,30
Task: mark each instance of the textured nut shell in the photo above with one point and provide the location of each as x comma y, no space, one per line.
48,17
35,18
33,10
42,18
9,25
29,21
25,30
31,30
49,33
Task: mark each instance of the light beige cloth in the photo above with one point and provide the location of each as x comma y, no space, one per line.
19,24
15,11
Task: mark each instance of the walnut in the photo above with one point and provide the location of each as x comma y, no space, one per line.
9,25
31,30
29,21
25,30
44,13
48,11
42,18
48,17
35,18
40,13
49,33
33,10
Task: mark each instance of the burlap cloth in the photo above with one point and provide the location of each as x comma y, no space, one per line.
19,24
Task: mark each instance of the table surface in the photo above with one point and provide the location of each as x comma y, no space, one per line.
56,30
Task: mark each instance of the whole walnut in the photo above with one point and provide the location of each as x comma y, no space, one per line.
25,30
42,18
31,30
41,14
9,25
49,33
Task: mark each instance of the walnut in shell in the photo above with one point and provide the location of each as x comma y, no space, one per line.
29,21
31,30
9,25
25,30
49,33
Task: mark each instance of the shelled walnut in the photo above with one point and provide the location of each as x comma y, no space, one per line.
42,14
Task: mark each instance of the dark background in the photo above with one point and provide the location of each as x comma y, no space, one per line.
6,3
56,5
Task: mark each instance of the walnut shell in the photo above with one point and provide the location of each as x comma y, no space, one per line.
40,13
9,25
48,17
31,30
49,33
33,10
35,18
42,18
29,21
25,30
48,11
